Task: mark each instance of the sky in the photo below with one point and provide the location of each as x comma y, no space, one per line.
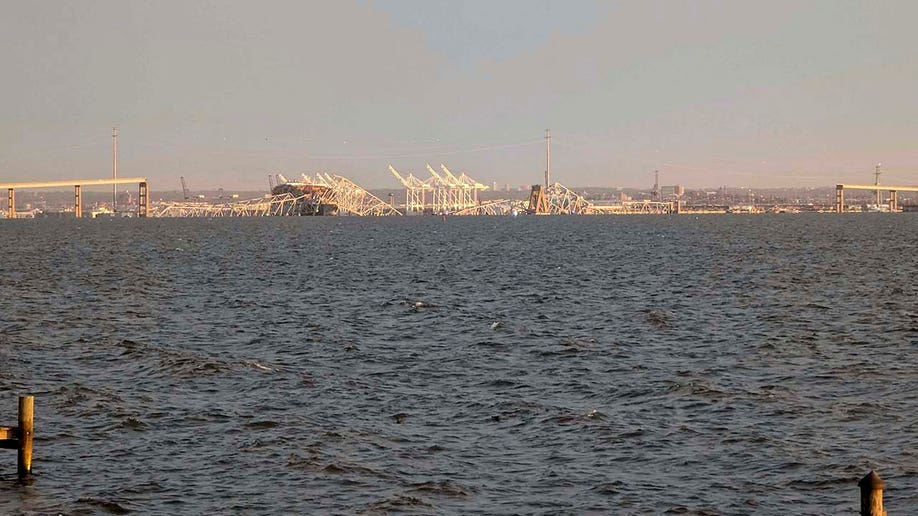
737,93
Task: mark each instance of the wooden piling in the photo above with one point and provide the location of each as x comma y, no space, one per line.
19,437
26,430
872,495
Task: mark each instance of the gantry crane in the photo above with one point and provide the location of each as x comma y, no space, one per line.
415,191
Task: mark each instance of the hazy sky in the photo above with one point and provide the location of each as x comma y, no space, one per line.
765,93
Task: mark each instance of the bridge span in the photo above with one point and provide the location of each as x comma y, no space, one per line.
893,194
143,205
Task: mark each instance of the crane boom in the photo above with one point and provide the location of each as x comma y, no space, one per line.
399,176
449,174
434,174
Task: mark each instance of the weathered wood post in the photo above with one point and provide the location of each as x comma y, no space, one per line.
872,495
19,438
26,412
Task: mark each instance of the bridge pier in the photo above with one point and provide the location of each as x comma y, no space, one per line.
77,202
78,184
143,203
892,189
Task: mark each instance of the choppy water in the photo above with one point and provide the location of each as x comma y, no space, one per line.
689,365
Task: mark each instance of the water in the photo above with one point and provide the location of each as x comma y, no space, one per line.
688,365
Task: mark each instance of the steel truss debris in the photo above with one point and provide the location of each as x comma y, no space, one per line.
351,198
498,207
276,205
345,196
634,208
557,199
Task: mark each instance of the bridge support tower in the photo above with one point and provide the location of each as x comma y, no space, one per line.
143,201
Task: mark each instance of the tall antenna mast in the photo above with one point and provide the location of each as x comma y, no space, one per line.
114,168
547,158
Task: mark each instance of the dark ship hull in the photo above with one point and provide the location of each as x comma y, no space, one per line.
312,199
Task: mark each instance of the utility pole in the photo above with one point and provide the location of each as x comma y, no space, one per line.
547,158
114,168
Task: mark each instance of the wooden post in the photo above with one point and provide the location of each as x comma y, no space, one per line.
872,495
26,412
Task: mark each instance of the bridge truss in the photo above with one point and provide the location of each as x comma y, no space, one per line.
343,195
496,207
558,199
634,208
351,198
285,204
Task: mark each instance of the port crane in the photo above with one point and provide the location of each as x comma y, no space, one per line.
415,190
449,193
469,186
454,193
442,194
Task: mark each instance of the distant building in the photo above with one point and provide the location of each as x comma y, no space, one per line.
669,192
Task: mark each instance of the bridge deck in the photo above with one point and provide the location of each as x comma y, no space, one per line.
879,187
74,182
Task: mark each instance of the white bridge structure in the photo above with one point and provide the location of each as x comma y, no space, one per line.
351,198
558,199
319,195
893,202
78,184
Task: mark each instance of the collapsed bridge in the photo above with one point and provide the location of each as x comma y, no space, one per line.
323,194
558,199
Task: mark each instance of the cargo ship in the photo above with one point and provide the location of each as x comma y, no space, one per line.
312,199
